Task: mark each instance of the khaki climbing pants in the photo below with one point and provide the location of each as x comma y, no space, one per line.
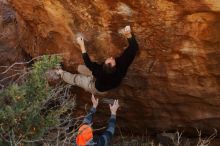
84,80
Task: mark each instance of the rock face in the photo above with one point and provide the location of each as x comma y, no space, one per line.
175,79
10,38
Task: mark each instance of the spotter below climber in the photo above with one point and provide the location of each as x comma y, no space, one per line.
85,132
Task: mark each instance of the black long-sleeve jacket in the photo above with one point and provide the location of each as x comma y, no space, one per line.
105,81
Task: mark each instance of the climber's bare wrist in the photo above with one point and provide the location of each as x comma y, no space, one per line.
129,35
83,49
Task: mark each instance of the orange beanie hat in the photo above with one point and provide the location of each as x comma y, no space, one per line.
84,135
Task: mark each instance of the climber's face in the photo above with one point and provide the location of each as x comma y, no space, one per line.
110,61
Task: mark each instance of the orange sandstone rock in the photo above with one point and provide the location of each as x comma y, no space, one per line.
175,79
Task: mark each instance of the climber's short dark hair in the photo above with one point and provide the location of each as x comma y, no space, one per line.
108,68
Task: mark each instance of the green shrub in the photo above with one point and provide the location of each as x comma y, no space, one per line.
21,105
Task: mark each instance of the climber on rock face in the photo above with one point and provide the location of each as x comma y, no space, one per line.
85,133
100,78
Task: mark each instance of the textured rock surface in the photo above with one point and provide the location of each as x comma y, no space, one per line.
175,79
10,37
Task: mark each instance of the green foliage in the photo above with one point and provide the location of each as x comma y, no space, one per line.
21,105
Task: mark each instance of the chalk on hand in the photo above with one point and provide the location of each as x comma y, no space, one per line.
80,35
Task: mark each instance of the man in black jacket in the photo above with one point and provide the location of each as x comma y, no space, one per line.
107,75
